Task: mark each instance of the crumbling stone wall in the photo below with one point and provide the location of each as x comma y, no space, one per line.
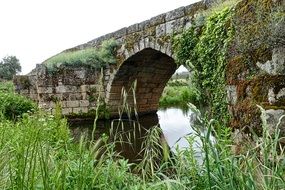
76,89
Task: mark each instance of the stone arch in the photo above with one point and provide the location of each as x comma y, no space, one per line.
155,43
151,69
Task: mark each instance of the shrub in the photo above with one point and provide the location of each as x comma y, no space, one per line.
13,105
6,87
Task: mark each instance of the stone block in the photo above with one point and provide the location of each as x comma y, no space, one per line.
75,96
66,111
114,103
84,88
168,50
80,74
141,101
136,47
163,47
276,66
232,94
63,104
187,22
83,103
193,8
273,98
143,25
106,77
143,90
147,96
146,42
133,28
175,25
152,44
33,96
45,90
43,105
84,96
72,104
126,53
274,117
175,14
160,30
281,94
60,89
141,44
157,19
120,33
80,110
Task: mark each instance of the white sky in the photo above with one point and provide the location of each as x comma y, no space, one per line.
34,30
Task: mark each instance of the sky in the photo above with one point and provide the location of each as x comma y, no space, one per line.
34,30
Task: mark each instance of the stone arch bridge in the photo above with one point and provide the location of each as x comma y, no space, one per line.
144,55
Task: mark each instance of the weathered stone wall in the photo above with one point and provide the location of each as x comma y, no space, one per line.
256,70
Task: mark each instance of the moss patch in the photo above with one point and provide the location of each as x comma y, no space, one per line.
131,39
246,115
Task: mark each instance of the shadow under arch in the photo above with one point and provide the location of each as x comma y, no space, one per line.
151,69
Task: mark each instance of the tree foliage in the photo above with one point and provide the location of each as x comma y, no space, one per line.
9,66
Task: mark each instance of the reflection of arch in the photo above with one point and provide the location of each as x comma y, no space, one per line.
152,70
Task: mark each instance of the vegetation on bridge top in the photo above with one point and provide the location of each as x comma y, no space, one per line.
95,57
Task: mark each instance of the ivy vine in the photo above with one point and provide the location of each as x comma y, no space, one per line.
204,50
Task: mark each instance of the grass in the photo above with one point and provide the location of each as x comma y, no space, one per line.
92,57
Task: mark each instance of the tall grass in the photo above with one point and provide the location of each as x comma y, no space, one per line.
37,152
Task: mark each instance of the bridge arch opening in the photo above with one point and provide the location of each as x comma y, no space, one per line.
151,69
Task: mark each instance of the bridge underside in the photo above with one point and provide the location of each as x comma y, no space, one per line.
151,70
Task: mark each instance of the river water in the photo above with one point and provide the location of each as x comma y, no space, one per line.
174,124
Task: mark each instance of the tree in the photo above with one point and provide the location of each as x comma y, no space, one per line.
9,66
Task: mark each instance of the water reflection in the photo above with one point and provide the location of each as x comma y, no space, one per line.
130,134
178,132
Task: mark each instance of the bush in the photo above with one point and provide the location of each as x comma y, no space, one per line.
13,105
6,86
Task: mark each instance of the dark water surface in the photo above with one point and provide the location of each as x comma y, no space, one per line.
174,124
